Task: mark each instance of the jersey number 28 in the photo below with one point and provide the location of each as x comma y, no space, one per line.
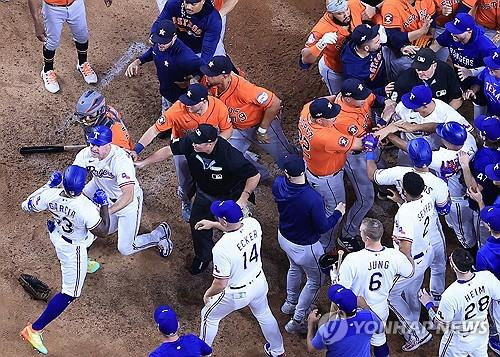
254,256
482,304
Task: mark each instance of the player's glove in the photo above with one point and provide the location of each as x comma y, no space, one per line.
446,171
55,179
370,143
100,198
328,38
51,225
36,288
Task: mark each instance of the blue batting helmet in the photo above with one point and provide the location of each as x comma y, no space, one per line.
74,180
90,108
100,135
420,152
452,132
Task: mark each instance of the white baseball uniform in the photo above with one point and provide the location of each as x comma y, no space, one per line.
464,306
412,222
115,171
236,256
74,218
437,188
371,274
460,218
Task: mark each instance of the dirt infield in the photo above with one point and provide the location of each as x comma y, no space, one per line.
114,315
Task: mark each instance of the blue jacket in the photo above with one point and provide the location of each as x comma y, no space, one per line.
302,217
488,256
491,90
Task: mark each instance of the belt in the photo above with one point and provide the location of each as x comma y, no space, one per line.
420,255
67,239
242,286
323,175
356,152
62,5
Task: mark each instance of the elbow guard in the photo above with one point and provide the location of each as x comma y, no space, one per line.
445,209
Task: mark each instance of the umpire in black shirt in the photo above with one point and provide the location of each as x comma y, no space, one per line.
220,172
438,75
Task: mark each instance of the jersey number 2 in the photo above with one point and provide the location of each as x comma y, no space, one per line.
254,256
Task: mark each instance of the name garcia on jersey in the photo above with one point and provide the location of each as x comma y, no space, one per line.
54,207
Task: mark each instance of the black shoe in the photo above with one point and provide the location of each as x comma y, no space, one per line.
349,244
198,266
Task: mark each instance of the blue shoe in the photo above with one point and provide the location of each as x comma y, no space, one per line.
494,344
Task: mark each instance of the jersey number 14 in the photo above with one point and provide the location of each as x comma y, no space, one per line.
254,256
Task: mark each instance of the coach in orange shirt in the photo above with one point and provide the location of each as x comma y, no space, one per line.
325,151
192,109
255,112
327,38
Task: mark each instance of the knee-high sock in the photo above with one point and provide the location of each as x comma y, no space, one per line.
54,308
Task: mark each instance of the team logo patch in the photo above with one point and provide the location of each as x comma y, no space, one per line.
262,98
125,176
388,18
352,129
343,141
161,120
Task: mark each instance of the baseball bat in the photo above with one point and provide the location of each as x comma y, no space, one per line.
334,276
49,149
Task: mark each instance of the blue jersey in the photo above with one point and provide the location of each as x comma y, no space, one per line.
484,157
172,65
200,32
491,90
186,346
350,337
488,256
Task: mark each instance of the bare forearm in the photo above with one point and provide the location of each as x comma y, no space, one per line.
226,134
456,103
125,199
103,228
311,330
159,155
270,114
397,141
307,56
415,35
149,136
227,7
34,6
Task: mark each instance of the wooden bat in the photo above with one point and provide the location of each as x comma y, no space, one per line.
25,150
334,276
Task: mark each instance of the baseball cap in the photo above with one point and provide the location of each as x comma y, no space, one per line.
228,210
418,97
217,66
323,108
164,32
493,171
100,135
345,299
166,319
461,23
453,132
363,33
336,5
489,126
424,58
294,165
493,61
491,216
204,133
355,89
194,95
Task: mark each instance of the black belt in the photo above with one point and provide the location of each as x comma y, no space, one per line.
356,152
57,5
242,286
419,255
67,239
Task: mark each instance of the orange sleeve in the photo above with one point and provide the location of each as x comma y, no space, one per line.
164,122
339,142
224,122
121,136
469,3
258,95
431,7
391,18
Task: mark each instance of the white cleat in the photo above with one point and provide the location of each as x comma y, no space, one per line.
50,81
165,245
87,72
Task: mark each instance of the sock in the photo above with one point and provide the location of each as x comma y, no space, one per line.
81,49
381,351
48,59
54,308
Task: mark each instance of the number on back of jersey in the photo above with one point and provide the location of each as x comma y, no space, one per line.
254,256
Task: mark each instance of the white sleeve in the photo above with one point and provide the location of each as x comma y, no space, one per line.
125,171
403,225
221,263
36,202
442,193
494,287
385,176
446,310
80,159
92,216
346,272
437,160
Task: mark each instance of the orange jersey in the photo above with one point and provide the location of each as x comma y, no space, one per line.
399,14
181,121
59,2
120,135
218,4
331,53
487,12
324,149
355,121
245,101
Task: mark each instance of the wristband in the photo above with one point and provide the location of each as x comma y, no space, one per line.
429,305
138,148
261,130
370,155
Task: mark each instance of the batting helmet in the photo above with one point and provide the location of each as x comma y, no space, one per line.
74,180
452,132
100,135
90,108
420,152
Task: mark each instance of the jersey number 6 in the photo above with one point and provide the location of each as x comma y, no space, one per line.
375,282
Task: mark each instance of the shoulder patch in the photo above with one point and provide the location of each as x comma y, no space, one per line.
161,120
388,18
262,98
352,129
343,141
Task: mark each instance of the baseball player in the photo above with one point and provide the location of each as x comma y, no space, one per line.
92,110
463,310
49,17
486,15
371,272
113,172
325,152
420,154
193,108
415,218
255,112
75,223
175,63
327,37
238,277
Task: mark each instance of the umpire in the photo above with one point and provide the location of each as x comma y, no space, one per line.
220,172
302,219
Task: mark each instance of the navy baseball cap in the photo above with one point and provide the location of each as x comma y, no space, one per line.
424,58
228,210
363,33
204,133
194,95
217,66
493,172
489,126
461,23
493,61
164,33
453,132
491,216
323,108
345,299
294,165
100,135
166,319
418,97
355,89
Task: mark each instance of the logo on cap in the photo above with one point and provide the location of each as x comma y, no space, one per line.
496,167
363,38
330,106
211,64
420,59
96,135
189,94
456,21
161,32
412,96
360,86
495,55
198,132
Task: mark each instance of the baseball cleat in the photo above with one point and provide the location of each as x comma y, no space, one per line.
288,308
50,81
267,350
165,245
297,328
349,244
494,343
412,345
87,72
92,266
34,338
186,211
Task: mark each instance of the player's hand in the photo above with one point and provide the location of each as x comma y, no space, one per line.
446,8
370,142
328,38
463,158
405,126
388,89
100,198
426,25
206,299
55,179
133,68
140,164
204,224
40,30
409,50
133,155
475,194
369,12
463,72
395,196
108,2
424,296
469,94
313,318
340,207
262,138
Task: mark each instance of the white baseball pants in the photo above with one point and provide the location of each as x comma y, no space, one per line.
438,264
333,80
472,344
382,311
461,220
